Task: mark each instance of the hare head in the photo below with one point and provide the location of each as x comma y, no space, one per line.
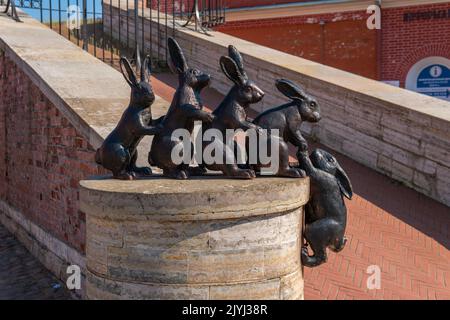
141,91
190,77
307,105
326,162
245,91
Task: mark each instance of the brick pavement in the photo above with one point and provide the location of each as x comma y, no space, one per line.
22,276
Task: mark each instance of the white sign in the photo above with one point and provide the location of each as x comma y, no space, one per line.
430,76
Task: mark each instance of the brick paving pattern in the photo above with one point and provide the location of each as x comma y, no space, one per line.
402,231
22,276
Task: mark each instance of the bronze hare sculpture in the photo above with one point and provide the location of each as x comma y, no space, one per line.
118,152
232,112
287,119
185,108
326,213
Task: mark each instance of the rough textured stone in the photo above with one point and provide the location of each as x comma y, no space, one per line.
213,238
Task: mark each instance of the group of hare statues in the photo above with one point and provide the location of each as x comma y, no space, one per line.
325,213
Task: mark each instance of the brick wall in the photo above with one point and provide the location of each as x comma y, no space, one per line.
42,158
405,43
170,5
254,3
343,42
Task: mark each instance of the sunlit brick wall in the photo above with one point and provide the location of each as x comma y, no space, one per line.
253,3
170,5
343,41
407,42
42,158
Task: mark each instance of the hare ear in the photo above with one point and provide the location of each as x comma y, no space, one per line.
234,54
146,69
344,182
290,89
231,70
128,74
177,61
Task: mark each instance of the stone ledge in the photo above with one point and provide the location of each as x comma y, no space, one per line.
289,287
211,197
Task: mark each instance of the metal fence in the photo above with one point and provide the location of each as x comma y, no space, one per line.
107,28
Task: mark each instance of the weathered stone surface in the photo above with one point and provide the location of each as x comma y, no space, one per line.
214,238
263,290
291,286
206,198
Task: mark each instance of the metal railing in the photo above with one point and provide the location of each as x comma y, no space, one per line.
10,9
107,28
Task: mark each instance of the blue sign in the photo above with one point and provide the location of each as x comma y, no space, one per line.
434,81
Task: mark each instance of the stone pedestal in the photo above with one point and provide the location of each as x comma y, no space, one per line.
208,238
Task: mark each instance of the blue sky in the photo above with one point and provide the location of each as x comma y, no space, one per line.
62,4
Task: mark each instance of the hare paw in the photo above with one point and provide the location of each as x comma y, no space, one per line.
305,252
124,176
292,173
197,171
245,174
144,171
176,174
181,175
306,259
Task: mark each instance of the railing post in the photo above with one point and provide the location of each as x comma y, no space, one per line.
85,29
136,32
209,15
14,15
195,15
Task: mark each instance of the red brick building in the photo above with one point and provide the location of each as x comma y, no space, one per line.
412,48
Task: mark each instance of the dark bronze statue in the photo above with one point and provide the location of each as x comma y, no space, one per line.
186,107
118,152
287,119
232,111
326,213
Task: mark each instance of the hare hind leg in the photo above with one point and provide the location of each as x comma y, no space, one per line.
231,169
161,156
177,173
318,235
135,170
116,159
285,170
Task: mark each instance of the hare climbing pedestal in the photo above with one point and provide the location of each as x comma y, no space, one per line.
203,238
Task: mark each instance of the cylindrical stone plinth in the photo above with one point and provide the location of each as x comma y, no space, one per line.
205,238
